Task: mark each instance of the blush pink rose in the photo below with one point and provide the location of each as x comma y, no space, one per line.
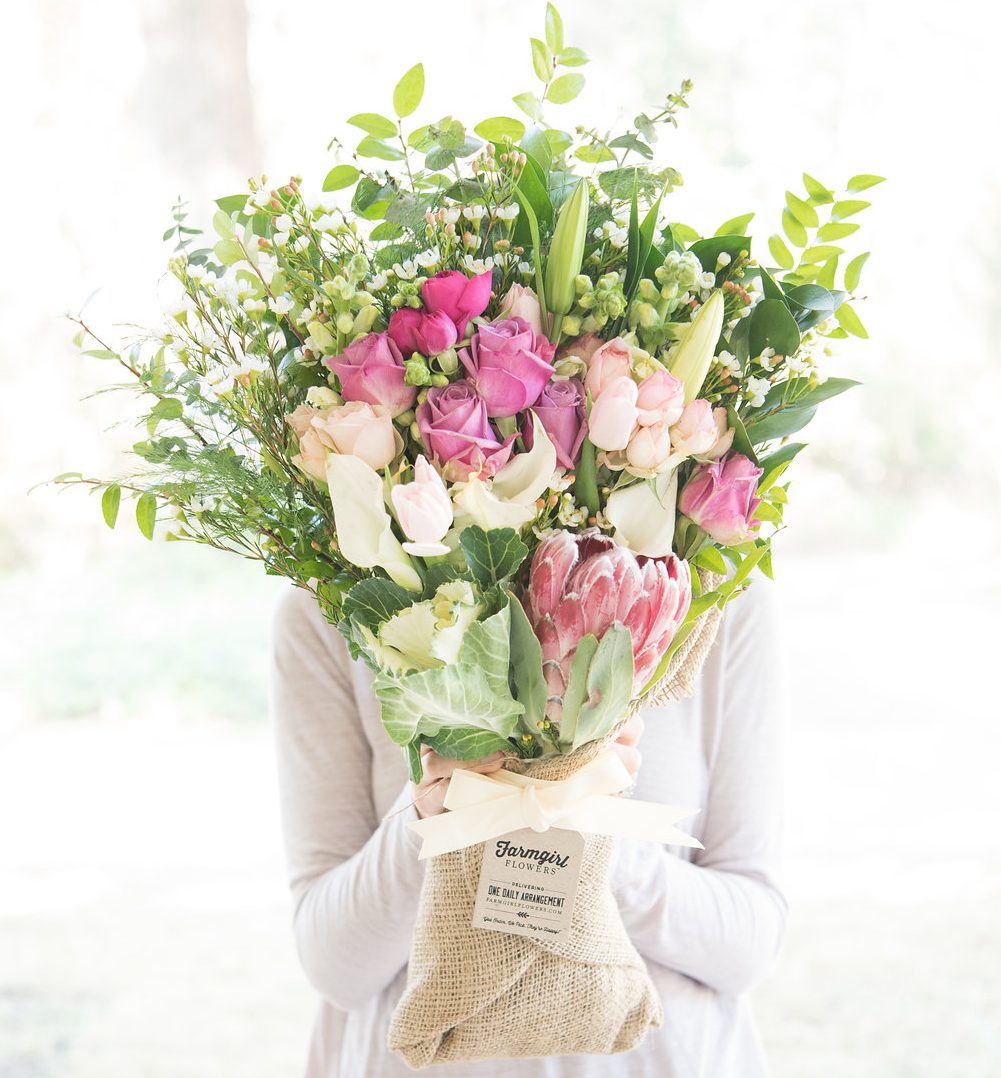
302,419
661,399
418,331
460,297
424,510
455,430
649,448
371,370
614,414
521,302
363,430
563,415
609,362
695,432
724,436
720,498
312,455
508,363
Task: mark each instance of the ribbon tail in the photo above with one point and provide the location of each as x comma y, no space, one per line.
466,826
624,818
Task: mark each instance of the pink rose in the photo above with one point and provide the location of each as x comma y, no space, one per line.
417,331
695,432
720,498
614,414
302,419
455,430
424,510
371,370
649,448
312,455
563,415
521,302
458,296
661,399
508,363
610,361
360,429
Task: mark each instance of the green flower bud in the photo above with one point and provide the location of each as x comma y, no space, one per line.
416,371
566,252
691,361
365,319
345,323
448,361
439,380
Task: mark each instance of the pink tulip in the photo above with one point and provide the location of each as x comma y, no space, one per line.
609,362
562,413
418,331
509,363
458,296
695,432
720,498
613,415
424,510
661,399
371,370
455,430
586,583
521,302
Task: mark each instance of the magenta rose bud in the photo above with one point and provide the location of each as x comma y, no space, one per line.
586,583
460,297
370,369
417,331
563,414
720,498
509,363
455,430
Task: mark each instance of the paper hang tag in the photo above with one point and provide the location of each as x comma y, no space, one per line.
528,882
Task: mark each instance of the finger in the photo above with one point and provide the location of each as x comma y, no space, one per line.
630,756
632,731
436,766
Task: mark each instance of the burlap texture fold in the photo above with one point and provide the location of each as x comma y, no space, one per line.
474,993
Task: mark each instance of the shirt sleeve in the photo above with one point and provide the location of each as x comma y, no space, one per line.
355,879
720,917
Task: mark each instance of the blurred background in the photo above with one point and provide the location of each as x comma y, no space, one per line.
144,924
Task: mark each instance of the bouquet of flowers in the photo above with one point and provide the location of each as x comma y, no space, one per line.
523,437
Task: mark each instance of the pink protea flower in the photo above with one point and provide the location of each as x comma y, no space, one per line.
586,583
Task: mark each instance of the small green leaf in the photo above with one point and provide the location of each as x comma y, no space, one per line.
853,271
232,203
339,177
802,211
529,105
374,124
850,321
793,229
836,231
820,253
781,253
542,60
167,408
710,558
374,147
565,88
110,501
100,353
848,208
572,57
146,514
500,129
492,556
736,226
818,193
409,91
864,180
554,29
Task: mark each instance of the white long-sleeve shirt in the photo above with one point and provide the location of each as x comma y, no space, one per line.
708,922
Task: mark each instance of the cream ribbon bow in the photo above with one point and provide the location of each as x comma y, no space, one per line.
482,807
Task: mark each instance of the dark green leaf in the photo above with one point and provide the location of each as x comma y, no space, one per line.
708,251
373,601
741,442
772,326
492,556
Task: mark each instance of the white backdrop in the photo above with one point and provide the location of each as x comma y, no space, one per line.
143,919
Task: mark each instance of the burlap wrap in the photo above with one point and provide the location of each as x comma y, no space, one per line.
473,993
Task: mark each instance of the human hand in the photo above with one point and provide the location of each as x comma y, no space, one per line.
429,793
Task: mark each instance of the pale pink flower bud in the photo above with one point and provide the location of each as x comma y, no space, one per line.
521,302
609,362
613,415
649,448
695,432
424,510
661,399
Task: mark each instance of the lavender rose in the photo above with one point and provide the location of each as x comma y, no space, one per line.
371,370
455,430
563,414
509,363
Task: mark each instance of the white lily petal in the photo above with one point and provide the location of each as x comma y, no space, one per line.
426,550
476,503
363,525
643,515
528,475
